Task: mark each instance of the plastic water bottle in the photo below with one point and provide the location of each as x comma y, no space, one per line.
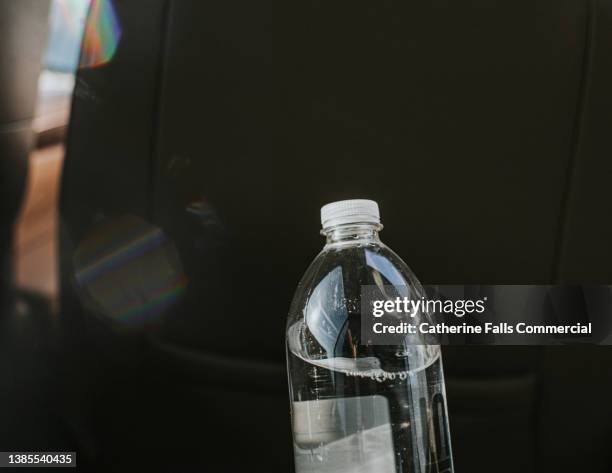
357,407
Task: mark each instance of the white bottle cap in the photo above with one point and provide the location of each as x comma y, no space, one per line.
349,211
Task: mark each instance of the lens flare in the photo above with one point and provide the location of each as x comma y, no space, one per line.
128,271
102,34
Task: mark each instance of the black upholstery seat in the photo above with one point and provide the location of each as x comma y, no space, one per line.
478,127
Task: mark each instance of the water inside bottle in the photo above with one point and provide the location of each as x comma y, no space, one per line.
390,416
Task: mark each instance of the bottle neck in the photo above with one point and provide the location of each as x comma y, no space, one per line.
352,233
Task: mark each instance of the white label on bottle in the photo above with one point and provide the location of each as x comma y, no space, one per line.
343,435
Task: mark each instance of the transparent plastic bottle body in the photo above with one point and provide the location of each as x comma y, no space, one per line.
361,408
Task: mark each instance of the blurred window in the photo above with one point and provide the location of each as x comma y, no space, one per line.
67,22
66,26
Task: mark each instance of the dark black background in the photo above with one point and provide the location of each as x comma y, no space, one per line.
480,127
